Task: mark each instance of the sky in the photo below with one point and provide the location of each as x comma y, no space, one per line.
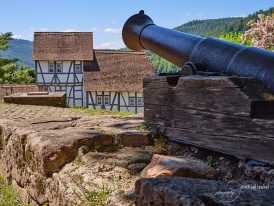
105,18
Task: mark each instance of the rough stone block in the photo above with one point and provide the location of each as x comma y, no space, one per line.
178,191
171,166
133,139
56,99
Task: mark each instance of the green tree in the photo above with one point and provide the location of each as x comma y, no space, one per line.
23,76
4,38
232,37
6,69
162,65
9,74
7,66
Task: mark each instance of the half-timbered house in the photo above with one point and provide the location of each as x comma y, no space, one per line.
108,79
114,80
59,61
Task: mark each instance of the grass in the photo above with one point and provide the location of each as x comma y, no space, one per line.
210,160
3,103
93,197
161,145
8,196
91,111
145,126
112,133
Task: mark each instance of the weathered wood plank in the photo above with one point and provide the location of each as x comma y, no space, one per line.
209,123
231,95
217,113
256,149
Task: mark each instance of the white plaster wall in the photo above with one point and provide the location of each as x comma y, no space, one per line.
62,77
39,78
66,65
126,96
44,66
79,77
48,78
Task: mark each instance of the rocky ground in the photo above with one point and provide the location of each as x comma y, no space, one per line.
82,158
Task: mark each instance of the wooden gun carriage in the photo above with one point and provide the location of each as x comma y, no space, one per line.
223,97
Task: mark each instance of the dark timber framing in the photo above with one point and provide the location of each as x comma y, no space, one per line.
73,85
115,100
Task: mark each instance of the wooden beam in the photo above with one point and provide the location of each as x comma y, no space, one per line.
227,114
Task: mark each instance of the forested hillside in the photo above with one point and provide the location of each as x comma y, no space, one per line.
20,49
213,27
216,27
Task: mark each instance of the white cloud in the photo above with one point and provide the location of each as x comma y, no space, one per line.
32,28
116,44
44,29
240,15
188,14
200,14
15,36
115,31
94,29
70,30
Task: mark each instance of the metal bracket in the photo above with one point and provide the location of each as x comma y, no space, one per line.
192,68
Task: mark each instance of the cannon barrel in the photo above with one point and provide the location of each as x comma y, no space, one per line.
140,32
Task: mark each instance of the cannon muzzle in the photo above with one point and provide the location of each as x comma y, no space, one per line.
140,32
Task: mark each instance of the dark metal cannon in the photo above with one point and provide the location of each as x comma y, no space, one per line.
140,32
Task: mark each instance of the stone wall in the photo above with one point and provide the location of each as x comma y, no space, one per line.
50,153
8,89
189,191
56,99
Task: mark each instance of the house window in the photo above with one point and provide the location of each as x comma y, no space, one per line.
132,101
103,99
51,67
99,100
77,68
106,100
59,67
140,101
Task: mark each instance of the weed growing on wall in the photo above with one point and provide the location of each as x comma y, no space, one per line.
8,196
96,196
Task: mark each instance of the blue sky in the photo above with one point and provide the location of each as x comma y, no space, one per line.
105,18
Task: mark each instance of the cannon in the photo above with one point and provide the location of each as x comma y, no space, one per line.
196,54
231,111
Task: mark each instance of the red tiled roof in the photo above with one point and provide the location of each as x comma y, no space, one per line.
53,46
115,70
